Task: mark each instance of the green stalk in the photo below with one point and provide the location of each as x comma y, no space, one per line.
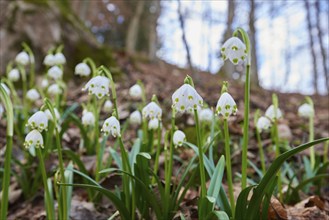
261,151
277,154
201,165
311,138
229,166
97,144
157,155
24,83
32,63
91,63
9,142
325,152
114,94
50,211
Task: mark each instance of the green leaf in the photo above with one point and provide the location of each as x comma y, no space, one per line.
216,178
267,199
220,215
116,158
242,203
206,206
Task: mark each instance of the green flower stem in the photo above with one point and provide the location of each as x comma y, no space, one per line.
246,40
261,151
201,165
97,143
32,64
277,154
24,83
325,151
114,94
92,64
311,138
157,155
9,142
50,211
229,166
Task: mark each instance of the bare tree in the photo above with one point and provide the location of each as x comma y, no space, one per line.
182,26
153,20
311,45
323,51
252,35
132,33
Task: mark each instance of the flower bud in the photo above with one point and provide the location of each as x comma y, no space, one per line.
22,58
55,73
49,60
306,111
135,118
273,113
151,111
136,91
263,123
107,106
44,83
60,59
38,121
186,98
226,105
234,50
206,115
32,95
13,75
111,126
82,69
34,138
153,124
88,118
179,138
54,89
1,111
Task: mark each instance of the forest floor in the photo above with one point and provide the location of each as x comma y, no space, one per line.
163,79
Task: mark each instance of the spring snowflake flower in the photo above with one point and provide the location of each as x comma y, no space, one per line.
82,69
1,111
22,58
151,111
186,98
153,124
54,89
135,118
38,121
263,123
44,83
5,87
273,113
306,110
206,115
226,105
179,138
32,95
107,106
136,91
14,75
99,86
33,139
49,60
111,126
88,118
55,72
60,59
234,50
50,116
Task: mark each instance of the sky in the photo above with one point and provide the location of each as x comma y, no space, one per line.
276,38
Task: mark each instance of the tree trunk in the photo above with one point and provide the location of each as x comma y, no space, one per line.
182,26
252,33
311,44
323,51
153,37
132,33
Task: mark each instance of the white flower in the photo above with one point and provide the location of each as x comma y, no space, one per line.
50,116
60,59
82,69
39,121
273,113
186,98
135,118
49,60
44,83
13,75
54,89
1,111
88,118
5,87
22,58
34,138
206,115
152,110
55,72
32,95
226,105
136,91
107,106
111,126
179,138
263,123
234,50
306,110
153,124
99,86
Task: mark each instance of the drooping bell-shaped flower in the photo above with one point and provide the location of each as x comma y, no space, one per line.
88,118
263,123
49,60
38,121
136,91
32,95
206,115
226,105
33,138
186,98
55,73
151,111
107,106
135,118
22,58
153,124
60,59
273,113
13,75
179,138
5,87
111,126
82,69
50,116
54,89
306,110
99,86
234,50
44,83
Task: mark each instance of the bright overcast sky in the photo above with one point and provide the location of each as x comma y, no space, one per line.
273,37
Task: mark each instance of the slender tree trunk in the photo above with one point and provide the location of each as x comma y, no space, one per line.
323,51
252,32
182,26
153,37
132,33
311,44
